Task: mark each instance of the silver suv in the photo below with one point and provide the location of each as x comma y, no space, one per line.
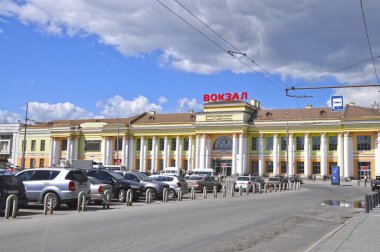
65,184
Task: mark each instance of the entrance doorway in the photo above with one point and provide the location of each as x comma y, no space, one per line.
222,166
364,169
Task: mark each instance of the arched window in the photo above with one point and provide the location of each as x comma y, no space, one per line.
223,143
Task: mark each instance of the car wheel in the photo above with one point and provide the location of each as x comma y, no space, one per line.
56,201
154,194
171,193
122,195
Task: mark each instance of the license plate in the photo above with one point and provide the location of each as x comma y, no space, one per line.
12,191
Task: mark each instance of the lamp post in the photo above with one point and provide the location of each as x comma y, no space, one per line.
117,142
287,144
24,140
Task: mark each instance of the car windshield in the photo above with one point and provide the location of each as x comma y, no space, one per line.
242,179
143,176
115,175
195,178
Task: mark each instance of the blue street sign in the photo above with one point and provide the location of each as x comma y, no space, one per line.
335,175
337,103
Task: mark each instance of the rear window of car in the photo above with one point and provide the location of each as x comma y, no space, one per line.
78,176
242,179
9,180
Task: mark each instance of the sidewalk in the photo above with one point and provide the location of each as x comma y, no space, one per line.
360,233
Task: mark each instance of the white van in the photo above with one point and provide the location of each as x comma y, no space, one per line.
204,171
171,171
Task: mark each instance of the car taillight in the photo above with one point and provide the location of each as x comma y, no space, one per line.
71,186
179,184
100,189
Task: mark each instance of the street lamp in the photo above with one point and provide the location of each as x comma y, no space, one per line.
24,141
287,144
117,142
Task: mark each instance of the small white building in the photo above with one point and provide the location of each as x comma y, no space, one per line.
9,134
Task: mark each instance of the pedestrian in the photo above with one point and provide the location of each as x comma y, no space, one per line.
324,177
314,177
365,180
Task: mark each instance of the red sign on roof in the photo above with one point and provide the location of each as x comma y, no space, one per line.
225,97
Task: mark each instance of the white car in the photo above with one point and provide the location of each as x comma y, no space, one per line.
245,182
175,183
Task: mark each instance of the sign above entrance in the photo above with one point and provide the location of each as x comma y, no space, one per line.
225,97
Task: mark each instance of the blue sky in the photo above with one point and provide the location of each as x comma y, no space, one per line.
77,59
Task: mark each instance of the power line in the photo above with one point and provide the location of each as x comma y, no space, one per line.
369,43
216,44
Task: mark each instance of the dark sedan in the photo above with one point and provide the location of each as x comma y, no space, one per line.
375,184
10,184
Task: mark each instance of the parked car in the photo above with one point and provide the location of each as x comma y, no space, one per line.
260,181
175,183
97,189
156,187
295,178
246,183
64,184
10,184
275,182
375,185
120,186
199,182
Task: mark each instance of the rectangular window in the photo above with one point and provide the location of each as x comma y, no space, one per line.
333,143
149,164
118,144
92,145
32,163
363,143
316,140
269,166
269,143
161,164
42,163
162,144
255,168
283,167
331,165
300,167
150,144
33,146
172,163
283,143
316,168
254,143
137,164
63,145
185,164
138,144
42,145
300,143
186,144
174,144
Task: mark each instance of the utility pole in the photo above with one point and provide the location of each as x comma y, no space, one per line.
24,141
287,144
117,142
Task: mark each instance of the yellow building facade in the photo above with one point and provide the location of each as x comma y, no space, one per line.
233,137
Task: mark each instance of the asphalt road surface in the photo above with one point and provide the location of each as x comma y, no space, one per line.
281,221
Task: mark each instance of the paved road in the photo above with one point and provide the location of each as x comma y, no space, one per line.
286,221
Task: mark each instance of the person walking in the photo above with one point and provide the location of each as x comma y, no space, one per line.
365,180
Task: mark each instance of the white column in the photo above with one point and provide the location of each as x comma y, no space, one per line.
340,153
347,171
291,155
177,151
75,149
202,154
14,148
51,154
124,152
323,154
275,154
208,153
109,157
307,155
261,155
234,154
197,151
142,150
241,152
190,159
154,153
166,152
377,155
104,153
131,156
245,154
68,149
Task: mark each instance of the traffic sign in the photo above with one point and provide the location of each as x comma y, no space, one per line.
337,103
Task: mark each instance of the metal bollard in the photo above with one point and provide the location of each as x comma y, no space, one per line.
179,194
265,188
81,201
232,191
165,195
224,189
366,203
10,198
370,202
205,192
129,198
215,190
148,196
260,188
48,203
299,185
373,201
247,190
192,193
275,187
240,191
106,198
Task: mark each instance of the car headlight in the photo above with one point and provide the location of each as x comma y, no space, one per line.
134,187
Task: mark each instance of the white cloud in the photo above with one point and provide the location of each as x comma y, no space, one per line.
44,111
9,117
117,106
188,104
299,41
363,97
162,100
